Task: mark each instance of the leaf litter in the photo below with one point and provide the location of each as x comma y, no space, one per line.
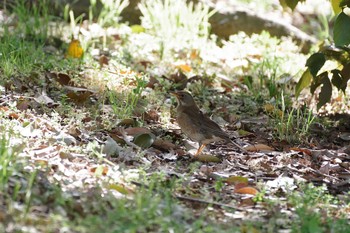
83,153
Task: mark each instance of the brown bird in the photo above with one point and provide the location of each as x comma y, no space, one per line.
197,126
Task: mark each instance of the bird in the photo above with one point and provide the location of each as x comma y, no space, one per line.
197,126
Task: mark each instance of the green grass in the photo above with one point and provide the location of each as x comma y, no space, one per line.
33,20
18,56
176,23
292,124
315,213
125,103
26,188
152,209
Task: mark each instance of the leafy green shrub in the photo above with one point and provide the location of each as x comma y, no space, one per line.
317,73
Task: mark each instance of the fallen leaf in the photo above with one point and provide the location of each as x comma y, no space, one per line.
345,136
136,130
43,99
184,67
178,77
151,116
74,49
144,140
208,158
41,162
240,185
163,145
23,104
127,122
80,97
247,190
259,147
99,170
103,60
236,180
244,133
63,79
120,188
305,151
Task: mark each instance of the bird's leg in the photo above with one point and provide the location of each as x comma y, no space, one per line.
200,149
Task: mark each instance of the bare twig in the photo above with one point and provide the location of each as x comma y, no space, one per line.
191,199
320,173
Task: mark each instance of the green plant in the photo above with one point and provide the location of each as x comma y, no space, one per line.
292,125
176,23
18,56
124,103
7,162
317,72
313,206
151,209
110,12
33,19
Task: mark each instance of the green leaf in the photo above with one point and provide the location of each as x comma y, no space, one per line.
344,3
341,32
119,188
325,94
144,140
339,81
291,3
315,63
317,81
304,81
335,6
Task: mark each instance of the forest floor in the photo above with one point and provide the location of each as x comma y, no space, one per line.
89,140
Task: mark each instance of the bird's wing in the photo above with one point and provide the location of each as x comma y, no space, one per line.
206,125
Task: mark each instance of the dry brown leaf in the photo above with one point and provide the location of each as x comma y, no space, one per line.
178,77
247,190
151,116
303,150
152,82
63,79
103,170
103,60
80,97
136,130
258,147
10,115
240,185
163,145
127,122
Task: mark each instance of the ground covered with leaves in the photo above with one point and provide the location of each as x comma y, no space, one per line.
89,140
